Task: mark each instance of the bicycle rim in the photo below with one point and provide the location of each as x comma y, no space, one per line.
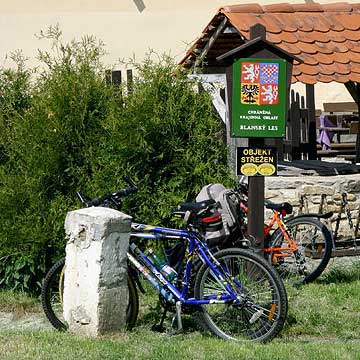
52,298
51,295
314,244
261,314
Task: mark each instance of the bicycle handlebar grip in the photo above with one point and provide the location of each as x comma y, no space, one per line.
131,190
124,192
94,202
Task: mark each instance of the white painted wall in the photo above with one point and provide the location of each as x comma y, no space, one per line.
163,25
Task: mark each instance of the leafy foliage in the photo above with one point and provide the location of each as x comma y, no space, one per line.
62,129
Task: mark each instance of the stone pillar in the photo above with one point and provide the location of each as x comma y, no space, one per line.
95,287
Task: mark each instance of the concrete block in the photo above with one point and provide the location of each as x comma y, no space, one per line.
95,288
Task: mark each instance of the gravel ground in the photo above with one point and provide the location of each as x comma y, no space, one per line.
33,321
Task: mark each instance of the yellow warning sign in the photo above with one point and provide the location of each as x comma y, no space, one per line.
256,161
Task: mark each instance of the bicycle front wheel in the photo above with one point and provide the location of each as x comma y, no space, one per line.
259,315
314,242
52,297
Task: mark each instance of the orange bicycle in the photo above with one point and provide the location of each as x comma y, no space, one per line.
299,247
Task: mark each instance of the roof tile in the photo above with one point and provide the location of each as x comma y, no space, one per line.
336,36
325,36
355,77
307,48
309,59
325,48
355,57
337,7
296,71
274,38
244,22
272,24
323,58
308,69
341,78
351,35
334,23
306,79
302,21
350,21
354,46
288,37
312,7
306,37
324,78
279,8
319,36
320,23
343,69
338,47
291,48
283,21
243,8
342,58
326,69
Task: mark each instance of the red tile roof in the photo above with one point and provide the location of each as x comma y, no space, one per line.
325,36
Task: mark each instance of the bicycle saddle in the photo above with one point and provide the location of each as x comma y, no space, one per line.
191,206
285,206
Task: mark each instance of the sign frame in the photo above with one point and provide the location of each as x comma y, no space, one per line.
260,118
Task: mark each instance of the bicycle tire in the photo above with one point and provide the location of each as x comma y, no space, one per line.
315,244
51,298
262,314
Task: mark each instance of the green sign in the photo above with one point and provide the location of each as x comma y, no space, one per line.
259,98
256,161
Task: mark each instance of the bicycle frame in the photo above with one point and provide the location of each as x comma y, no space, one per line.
195,246
277,218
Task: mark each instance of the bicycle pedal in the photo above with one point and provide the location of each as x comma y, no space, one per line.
256,316
174,332
158,328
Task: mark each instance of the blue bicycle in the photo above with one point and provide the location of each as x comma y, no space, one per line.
234,293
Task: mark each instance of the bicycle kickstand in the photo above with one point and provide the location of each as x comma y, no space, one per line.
177,317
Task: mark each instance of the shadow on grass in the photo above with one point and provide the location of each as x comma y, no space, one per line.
151,317
341,274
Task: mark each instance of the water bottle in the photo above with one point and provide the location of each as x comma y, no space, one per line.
163,266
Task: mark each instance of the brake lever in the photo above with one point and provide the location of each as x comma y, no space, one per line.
81,199
116,202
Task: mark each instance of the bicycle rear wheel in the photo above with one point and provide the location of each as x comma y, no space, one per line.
314,241
261,313
52,292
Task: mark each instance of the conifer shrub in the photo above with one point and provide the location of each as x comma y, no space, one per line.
63,129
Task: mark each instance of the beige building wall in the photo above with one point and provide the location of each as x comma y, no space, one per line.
128,27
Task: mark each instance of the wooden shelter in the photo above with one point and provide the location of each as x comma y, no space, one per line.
326,37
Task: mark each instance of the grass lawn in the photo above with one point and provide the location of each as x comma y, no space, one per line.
323,323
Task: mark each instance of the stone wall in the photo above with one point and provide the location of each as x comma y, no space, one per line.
285,188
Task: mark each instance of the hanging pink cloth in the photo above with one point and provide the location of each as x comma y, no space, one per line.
325,136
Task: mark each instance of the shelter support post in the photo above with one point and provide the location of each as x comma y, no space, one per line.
310,104
354,90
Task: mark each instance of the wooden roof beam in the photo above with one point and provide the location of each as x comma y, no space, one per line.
211,41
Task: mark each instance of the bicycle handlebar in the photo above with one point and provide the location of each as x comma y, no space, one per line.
114,197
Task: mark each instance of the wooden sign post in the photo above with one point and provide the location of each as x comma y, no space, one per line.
258,79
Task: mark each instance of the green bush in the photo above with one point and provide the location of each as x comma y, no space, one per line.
64,129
